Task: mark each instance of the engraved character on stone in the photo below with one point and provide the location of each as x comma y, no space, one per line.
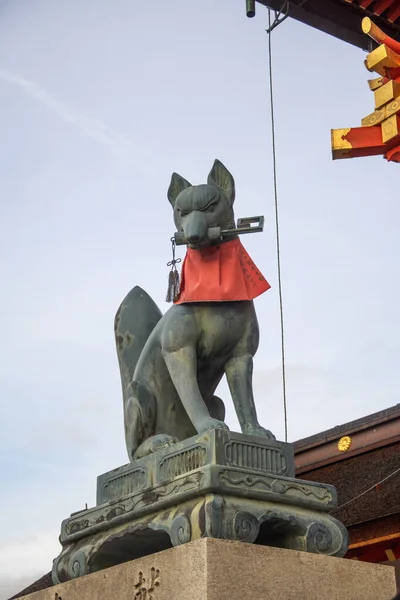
146,588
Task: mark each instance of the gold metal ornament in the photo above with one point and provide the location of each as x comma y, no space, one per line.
344,443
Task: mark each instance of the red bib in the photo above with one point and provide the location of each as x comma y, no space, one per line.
219,274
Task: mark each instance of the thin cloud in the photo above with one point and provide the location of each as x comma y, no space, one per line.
116,142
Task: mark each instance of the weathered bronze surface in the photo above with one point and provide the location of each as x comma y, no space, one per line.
218,484
189,476
171,365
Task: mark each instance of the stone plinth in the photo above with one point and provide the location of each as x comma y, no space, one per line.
220,484
210,569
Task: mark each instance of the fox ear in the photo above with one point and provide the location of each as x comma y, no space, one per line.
220,176
177,185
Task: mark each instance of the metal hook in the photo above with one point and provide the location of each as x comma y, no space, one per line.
174,260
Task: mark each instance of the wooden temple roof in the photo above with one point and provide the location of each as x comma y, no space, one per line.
41,584
362,460
368,433
342,18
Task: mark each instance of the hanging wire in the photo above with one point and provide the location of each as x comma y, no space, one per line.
368,490
278,252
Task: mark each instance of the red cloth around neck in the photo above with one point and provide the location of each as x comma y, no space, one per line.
219,274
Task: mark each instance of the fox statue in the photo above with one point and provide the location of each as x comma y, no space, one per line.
171,364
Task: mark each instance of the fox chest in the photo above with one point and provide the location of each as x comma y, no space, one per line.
214,329
221,331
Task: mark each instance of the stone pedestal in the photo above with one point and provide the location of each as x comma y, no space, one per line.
220,484
210,569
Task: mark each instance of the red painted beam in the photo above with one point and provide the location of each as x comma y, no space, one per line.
394,13
365,3
393,155
380,6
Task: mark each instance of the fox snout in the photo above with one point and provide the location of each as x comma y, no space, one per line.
195,228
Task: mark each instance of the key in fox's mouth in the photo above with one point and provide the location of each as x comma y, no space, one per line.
200,244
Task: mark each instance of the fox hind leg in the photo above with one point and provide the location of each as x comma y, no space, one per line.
140,420
139,416
154,443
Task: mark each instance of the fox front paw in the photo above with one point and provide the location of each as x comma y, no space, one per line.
212,424
259,431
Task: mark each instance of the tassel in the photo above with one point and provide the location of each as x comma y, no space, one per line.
174,285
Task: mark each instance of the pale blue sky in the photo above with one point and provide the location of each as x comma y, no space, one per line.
100,101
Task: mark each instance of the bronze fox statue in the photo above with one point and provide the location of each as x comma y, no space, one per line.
171,364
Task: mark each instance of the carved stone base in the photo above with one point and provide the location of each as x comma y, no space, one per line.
220,485
210,569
